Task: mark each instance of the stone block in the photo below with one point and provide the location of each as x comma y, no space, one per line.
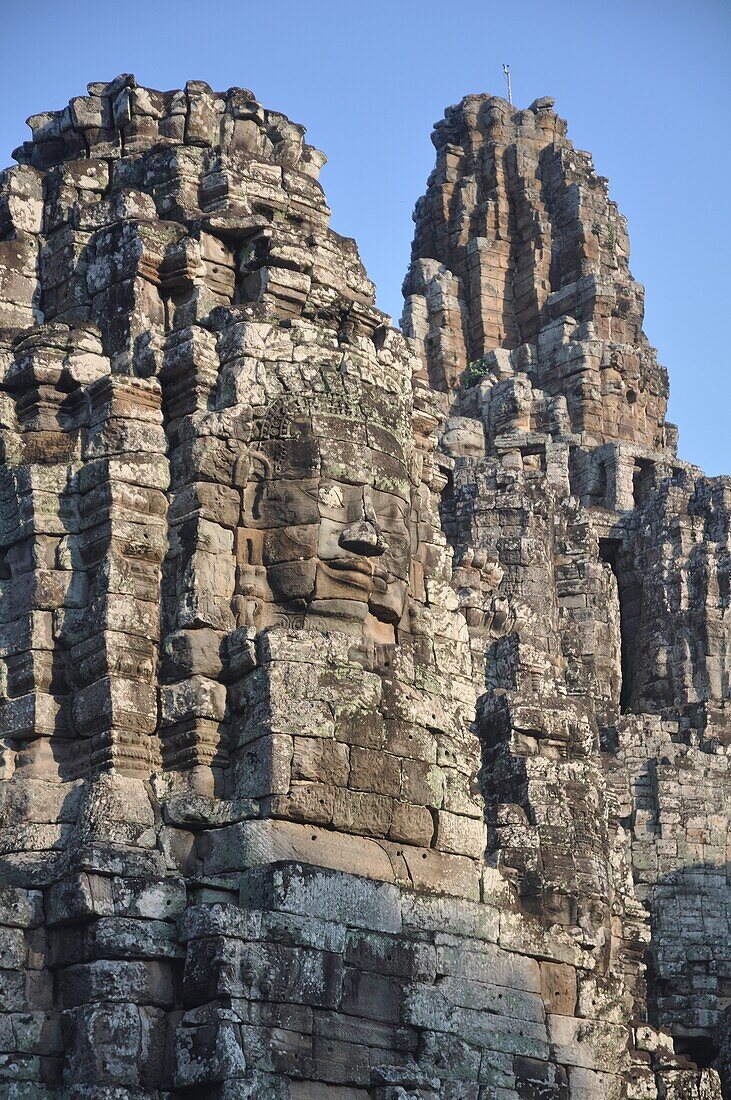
317,1090
463,918
131,938
208,1054
436,872
13,991
148,899
411,824
461,835
318,758
293,931
425,1008
371,995
36,1033
13,948
79,897
114,1046
141,983
264,767
374,771
202,921
329,895
394,955
361,812
20,908
486,997
558,988
257,843
489,964
589,1044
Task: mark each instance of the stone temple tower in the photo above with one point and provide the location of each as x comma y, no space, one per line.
364,723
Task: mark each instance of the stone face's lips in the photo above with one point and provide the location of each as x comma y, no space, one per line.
350,565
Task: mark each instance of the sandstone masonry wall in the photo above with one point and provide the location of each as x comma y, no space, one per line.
362,692
611,553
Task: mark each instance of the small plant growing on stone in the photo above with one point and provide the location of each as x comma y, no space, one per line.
476,371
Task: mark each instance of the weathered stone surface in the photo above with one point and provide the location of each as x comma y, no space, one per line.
363,693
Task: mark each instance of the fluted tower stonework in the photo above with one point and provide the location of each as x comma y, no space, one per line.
363,695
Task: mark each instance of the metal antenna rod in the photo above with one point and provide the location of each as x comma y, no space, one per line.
506,71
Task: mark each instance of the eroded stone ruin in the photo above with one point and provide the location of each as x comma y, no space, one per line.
365,692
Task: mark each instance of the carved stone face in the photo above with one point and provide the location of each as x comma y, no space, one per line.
326,536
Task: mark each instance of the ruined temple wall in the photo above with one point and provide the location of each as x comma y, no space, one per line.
307,982
638,634
518,246
520,299
674,797
668,756
681,552
257,840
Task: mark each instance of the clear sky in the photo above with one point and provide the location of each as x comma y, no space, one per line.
645,86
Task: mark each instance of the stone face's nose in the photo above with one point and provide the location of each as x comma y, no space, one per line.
362,537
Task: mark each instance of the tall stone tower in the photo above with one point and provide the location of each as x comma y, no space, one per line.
363,691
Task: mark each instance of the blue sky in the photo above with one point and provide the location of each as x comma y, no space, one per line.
645,86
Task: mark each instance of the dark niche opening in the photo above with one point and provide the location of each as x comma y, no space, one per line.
448,509
723,575
700,1049
643,477
629,595
534,457
598,494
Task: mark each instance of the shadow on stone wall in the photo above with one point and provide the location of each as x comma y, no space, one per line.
689,964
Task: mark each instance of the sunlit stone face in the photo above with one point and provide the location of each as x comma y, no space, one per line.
326,540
